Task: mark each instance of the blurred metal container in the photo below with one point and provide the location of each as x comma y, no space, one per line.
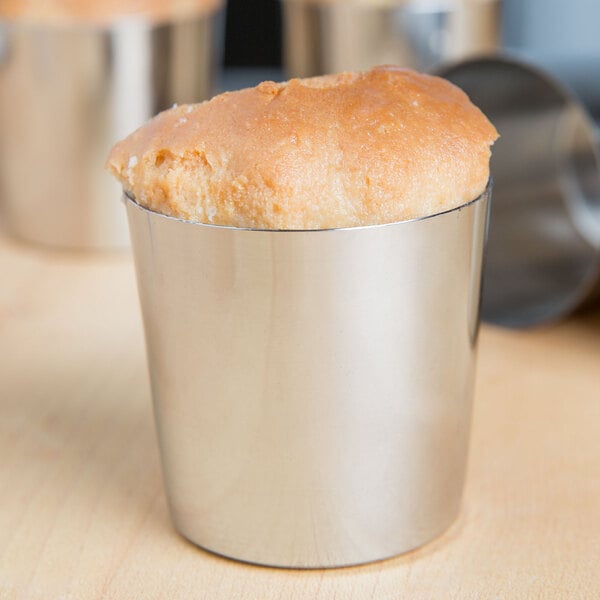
329,36
312,389
543,254
67,93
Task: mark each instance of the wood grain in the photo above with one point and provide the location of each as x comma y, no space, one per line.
82,510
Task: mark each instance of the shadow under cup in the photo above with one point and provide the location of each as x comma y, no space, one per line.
312,389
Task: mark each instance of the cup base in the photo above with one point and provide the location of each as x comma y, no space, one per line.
311,565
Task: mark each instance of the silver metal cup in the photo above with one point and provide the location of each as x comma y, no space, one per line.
67,94
344,35
312,389
543,256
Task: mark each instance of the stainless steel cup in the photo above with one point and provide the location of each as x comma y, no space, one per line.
328,36
543,257
312,389
70,91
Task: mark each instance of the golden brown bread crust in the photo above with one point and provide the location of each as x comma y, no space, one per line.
102,11
335,151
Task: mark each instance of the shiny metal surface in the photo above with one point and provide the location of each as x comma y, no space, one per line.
312,390
67,94
328,37
543,255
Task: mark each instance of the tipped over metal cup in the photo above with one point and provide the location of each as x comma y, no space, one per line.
68,91
329,36
543,255
312,389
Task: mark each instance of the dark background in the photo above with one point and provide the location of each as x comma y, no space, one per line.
253,33
552,27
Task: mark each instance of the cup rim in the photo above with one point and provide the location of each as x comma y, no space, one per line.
130,200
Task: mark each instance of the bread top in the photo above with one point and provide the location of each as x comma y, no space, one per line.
102,11
343,150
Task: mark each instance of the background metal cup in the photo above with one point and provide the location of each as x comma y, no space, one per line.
67,93
543,255
312,389
332,36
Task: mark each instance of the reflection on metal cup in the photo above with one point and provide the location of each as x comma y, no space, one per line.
312,389
67,93
543,255
332,36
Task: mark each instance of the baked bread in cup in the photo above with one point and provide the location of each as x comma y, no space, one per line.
344,150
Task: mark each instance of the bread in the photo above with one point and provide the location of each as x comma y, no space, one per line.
102,11
342,150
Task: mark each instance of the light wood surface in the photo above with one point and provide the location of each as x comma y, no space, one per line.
82,509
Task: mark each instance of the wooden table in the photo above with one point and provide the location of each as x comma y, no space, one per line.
82,509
